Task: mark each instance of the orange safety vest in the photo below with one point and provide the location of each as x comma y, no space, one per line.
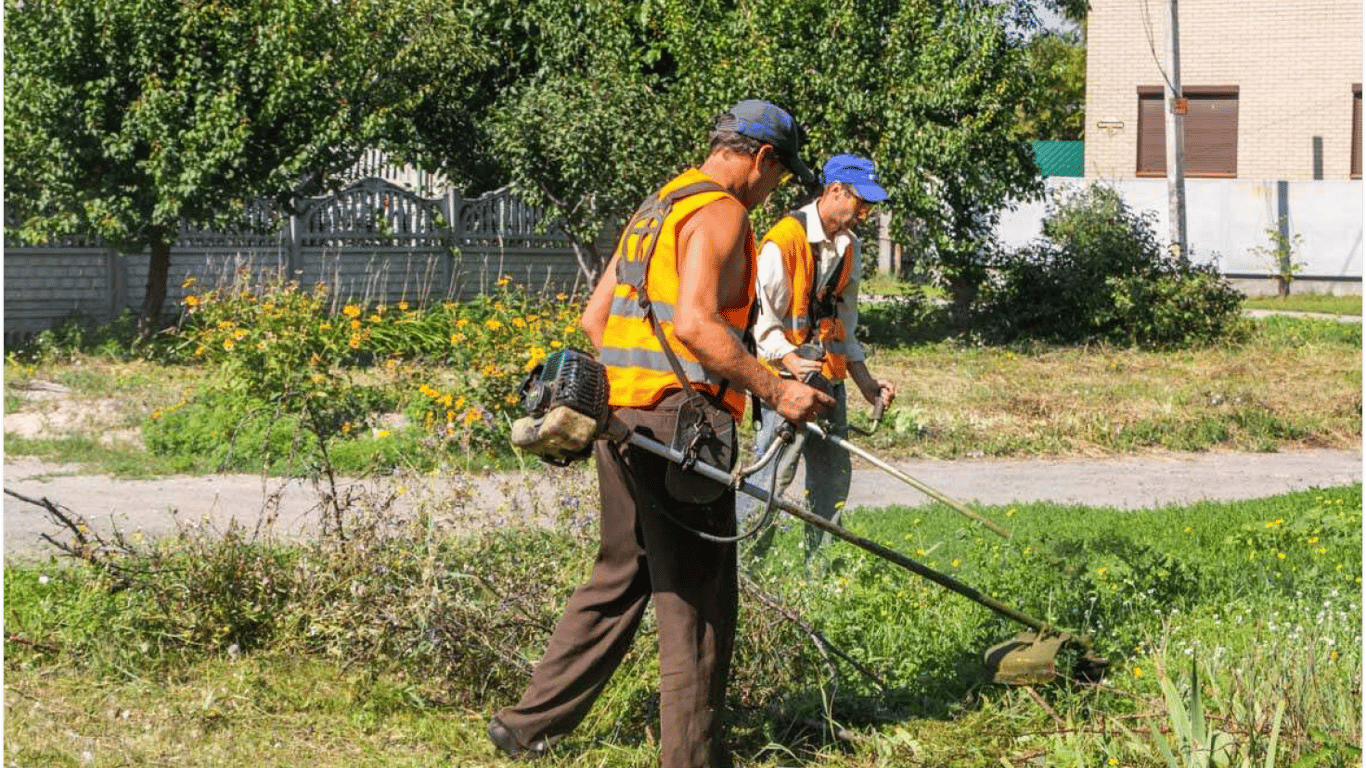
812,315
638,371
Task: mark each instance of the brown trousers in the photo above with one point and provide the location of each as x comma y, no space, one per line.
644,554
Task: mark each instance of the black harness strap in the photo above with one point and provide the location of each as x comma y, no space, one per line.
639,240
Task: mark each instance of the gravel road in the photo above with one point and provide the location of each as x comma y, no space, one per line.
157,506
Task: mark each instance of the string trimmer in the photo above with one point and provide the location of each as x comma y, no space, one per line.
566,402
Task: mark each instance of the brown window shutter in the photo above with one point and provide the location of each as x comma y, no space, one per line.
1152,134
1212,135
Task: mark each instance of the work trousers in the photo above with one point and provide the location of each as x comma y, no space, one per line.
828,473
645,554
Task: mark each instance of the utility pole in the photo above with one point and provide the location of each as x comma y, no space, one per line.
1175,123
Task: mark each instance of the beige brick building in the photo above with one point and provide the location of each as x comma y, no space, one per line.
1274,88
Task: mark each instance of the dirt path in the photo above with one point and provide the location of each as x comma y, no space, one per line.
157,506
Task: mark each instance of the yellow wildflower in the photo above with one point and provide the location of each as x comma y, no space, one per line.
493,324
351,310
228,344
354,342
191,301
403,306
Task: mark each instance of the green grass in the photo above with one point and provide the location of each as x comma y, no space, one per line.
1308,302
395,647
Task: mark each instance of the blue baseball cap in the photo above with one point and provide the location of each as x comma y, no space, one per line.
857,172
770,124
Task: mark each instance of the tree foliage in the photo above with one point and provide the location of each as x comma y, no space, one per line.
601,100
1058,109
125,117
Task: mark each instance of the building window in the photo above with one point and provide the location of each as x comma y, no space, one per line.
1211,131
1356,131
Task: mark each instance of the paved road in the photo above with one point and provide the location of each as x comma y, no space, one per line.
474,500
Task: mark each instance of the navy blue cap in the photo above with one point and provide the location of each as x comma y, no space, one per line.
857,172
770,124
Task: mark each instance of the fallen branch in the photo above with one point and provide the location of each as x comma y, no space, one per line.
10,637
822,643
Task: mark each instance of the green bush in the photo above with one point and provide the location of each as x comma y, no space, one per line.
302,375
1099,274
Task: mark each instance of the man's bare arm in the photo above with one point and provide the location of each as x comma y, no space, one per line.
713,268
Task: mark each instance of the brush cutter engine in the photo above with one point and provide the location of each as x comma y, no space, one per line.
565,399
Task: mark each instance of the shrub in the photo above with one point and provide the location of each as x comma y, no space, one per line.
303,374
1099,274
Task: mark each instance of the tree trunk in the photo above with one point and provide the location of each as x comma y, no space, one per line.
158,272
590,263
963,290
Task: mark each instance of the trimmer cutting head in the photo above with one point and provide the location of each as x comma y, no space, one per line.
1030,658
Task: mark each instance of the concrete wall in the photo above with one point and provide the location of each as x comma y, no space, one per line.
1294,65
1227,219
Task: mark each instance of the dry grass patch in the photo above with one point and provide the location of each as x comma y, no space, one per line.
1265,395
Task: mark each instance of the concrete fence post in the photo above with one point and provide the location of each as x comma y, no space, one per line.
293,249
117,267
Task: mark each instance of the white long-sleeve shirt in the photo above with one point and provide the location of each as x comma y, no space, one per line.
774,287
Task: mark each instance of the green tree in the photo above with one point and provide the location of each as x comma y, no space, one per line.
589,131
599,101
1058,107
124,118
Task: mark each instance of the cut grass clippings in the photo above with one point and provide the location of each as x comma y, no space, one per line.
1260,599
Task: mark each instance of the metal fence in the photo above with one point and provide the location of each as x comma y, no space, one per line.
372,241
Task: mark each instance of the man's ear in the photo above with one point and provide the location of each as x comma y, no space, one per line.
766,154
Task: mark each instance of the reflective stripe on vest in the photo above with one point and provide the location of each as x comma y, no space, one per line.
638,372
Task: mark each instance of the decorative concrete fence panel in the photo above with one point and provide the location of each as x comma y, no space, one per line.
371,242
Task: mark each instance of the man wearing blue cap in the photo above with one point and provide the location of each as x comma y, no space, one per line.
668,319
807,289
